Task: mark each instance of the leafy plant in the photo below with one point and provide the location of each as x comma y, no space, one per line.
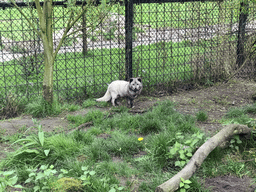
184,185
8,179
32,147
41,178
113,187
86,175
234,142
44,179
182,152
67,184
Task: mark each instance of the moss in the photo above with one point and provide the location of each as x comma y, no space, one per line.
66,184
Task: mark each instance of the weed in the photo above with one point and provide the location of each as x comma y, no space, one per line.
123,145
234,143
149,125
41,108
83,137
196,185
251,154
41,179
250,109
91,102
119,109
73,107
83,160
235,113
11,106
94,131
160,147
95,116
2,133
201,116
239,115
182,152
184,185
96,152
62,146
32,148
8,179
67,184
44,179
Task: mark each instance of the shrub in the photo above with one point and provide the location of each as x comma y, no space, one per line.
66,184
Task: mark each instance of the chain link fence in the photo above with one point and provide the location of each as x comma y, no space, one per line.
169,44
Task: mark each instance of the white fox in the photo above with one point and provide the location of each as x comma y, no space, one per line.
119,88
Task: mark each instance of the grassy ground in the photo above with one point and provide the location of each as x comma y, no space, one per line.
124,151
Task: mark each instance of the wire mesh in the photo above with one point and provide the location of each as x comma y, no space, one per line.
172,44
192,42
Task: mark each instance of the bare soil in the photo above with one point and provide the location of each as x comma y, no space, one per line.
215,100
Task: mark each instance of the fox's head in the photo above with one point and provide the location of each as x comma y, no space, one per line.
135,84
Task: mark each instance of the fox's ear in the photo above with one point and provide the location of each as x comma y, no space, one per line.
139,79
131,80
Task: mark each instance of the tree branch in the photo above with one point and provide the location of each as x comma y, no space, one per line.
71,23
27,19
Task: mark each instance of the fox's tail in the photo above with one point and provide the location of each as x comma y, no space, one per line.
106,97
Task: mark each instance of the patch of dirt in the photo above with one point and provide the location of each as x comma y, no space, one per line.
215,100
230,183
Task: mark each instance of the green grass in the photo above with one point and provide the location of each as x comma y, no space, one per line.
241,115
201,116
233,160
110,151
93,149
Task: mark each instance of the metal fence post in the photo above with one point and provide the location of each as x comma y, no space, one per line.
128,38
241,33
84,32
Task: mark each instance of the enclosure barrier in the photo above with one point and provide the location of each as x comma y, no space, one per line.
169,43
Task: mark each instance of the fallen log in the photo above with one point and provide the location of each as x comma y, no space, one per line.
199,156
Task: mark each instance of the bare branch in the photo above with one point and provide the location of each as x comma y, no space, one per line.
27,19
63,36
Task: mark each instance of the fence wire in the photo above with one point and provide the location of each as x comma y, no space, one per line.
168,44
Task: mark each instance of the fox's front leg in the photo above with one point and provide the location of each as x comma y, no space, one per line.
129,102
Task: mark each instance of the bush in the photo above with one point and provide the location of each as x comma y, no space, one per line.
66,184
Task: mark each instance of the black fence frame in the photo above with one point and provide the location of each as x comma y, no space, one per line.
129,20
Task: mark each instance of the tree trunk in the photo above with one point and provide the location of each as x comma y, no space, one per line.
48,77
199,156
45,24
46,34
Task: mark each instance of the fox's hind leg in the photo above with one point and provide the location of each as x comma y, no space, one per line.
114,98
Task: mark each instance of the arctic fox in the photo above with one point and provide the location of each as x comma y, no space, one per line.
119,88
